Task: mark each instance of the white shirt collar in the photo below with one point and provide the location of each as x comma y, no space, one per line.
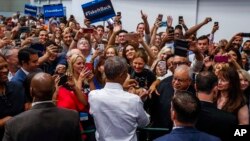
26,72
112,85
39,102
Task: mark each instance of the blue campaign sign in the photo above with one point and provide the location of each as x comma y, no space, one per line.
30,10
53,10
98,10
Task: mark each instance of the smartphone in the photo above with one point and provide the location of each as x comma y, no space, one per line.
160,16
88,30
119,14
170,30
100,47
18,42
7,34
216,23
35,40
132,36
220,59
209,19
181,43
63,80
181,47
245,34
163,24
180,19
162,66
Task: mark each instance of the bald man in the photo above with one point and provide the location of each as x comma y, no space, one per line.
44,121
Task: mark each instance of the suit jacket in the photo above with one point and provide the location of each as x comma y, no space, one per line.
44,122
187,134
19,77
161,114
215,121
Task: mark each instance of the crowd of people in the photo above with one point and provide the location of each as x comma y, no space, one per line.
119,80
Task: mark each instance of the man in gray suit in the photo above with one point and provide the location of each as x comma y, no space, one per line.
44,121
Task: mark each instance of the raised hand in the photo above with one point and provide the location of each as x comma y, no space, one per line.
207,20
169,21
144,16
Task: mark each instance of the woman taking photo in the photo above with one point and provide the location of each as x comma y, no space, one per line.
72,94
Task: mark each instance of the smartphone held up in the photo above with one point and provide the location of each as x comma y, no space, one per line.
132,36
220,59
160,16
88,30
180,19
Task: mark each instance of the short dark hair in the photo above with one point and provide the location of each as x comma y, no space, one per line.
139,24
187,106
121,31
24,55
205,81
178,27
203,37
247,41
100,26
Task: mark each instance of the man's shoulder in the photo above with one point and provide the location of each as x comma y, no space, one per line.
103,92
190,136
207,137
31,114
162,138
19,76
217,115
167,79
165,84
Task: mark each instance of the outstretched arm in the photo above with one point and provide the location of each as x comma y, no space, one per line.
195,28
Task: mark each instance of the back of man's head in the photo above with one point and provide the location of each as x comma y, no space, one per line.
114,67
186,106
205,81
42,87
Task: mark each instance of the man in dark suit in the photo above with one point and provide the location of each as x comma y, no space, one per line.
212,120
181,80
185,108
28,60
44,121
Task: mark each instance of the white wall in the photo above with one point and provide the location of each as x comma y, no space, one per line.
233,15
8,7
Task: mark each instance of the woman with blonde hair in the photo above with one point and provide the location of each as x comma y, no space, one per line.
72,93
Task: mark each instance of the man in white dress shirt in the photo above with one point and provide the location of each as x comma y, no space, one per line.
116,112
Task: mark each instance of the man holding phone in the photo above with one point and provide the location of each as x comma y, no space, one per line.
144,26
